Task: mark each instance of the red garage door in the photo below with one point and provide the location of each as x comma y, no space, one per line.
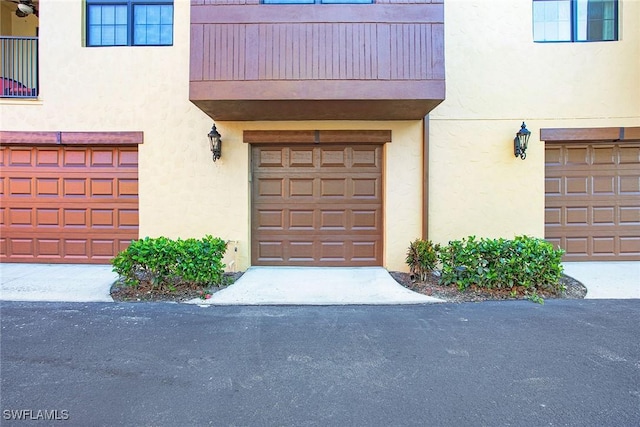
67,204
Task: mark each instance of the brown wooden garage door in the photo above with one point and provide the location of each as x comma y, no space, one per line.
317,205
592,200
68,204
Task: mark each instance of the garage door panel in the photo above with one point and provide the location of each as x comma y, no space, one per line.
270,157
302,158
301,187
270,219
315,205
577,185
127,188
333,220
577,216
553,186
552,216
604,185
630,185
365,219
333,187
68,204
630,246
366,188
302,219
333,157
19,187
577,156
604,215
47,158
630,215
592,200
629,155
20,157
366,157
604,155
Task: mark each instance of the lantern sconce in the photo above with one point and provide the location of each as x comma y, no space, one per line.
215,143
521,142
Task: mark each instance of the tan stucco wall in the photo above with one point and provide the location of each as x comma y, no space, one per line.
497,77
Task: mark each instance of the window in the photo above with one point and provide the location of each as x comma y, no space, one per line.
575,20
129,22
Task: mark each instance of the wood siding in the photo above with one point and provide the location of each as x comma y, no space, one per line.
330,61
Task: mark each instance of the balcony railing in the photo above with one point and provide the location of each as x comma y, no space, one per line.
19,68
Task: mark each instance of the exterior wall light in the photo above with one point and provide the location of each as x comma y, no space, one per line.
521,141
215,143
24,8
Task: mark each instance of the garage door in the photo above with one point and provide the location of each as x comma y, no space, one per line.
68,204
592,200
317,205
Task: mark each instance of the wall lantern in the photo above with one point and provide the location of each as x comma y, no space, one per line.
521,141
215,143
24,8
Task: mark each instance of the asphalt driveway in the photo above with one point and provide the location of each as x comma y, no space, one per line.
569,363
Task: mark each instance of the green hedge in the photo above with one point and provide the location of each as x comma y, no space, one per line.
165,263
525,262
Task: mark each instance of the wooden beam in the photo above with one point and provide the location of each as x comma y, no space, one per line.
29,138
425,179
316,136
590,134
101,138
70,138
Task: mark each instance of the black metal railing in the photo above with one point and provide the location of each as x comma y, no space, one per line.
19,67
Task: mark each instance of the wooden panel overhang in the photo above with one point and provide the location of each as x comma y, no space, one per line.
317,62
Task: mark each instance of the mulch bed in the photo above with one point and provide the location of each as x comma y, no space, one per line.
146,292
431,287
183,292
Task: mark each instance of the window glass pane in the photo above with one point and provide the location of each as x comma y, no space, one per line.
153,25
608,32
121,35
552,20
107,25
108,14
609,10
121,15
108,35
140,15
95,35
95,15
166,34
166,15
597,20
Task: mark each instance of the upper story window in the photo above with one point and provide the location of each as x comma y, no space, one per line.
317,1
129,22
575,20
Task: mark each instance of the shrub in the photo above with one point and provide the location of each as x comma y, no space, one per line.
526,262
166,263
422,258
